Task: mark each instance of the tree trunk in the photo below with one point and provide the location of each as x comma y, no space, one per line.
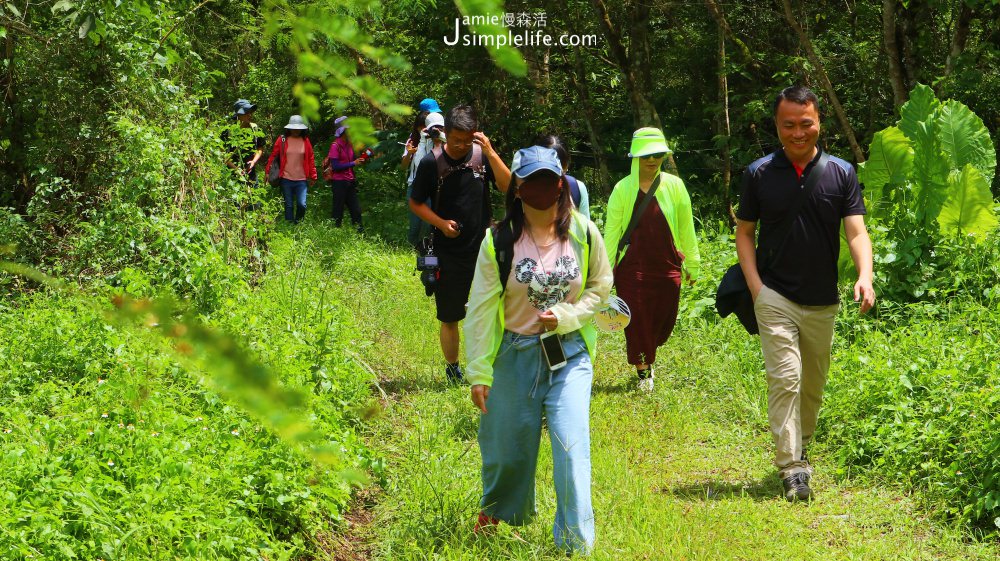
959,38
579,79
908,32
720,18
11,128
538,73
724,130
838,109
643,111
632,66
896,79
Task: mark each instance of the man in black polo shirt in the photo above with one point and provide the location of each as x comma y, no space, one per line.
459,217
795,298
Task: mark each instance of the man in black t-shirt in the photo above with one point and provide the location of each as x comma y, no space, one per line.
795,297
459,216
245,142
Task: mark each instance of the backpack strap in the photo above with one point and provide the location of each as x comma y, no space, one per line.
503,247
574,192
444,169
627,235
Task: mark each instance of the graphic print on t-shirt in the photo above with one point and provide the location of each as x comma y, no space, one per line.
546,288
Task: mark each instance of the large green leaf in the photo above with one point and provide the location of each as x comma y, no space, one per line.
969,208
890,161
930,174
919,109
965,139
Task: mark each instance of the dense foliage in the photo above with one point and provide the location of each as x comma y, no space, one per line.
112,179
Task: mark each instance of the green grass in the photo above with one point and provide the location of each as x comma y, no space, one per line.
684,473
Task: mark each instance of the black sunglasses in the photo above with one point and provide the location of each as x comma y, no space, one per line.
656,156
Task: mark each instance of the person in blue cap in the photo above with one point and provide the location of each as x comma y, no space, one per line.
245,142
558,276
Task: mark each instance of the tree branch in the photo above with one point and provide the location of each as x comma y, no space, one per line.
838,109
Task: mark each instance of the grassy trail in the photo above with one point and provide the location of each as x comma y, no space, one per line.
683,473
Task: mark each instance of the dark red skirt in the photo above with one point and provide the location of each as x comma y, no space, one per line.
649,280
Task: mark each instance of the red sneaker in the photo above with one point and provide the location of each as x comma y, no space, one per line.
485,522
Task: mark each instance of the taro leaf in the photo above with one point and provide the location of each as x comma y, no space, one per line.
930,171
506,57
918,109
890,161
965,139
969,208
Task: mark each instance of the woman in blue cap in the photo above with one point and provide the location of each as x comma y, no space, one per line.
555,277
651,258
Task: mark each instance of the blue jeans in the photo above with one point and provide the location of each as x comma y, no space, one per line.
510,434
294,193
416,231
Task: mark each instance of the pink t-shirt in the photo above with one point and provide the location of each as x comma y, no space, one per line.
295,154
540,277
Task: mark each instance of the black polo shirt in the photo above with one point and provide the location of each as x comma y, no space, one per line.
805,271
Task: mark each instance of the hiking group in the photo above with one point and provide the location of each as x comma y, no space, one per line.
529,285
291,167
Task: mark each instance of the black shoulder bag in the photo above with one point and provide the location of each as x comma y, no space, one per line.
274,174
733,294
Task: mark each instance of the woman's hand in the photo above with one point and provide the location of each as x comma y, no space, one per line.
549,320
480,393
411,149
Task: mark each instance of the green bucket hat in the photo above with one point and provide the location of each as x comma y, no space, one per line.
646,141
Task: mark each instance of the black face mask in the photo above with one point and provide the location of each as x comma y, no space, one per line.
540,193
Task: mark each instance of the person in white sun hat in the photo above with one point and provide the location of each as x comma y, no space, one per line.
297,167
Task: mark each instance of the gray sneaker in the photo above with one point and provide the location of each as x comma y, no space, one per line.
646,380
797,487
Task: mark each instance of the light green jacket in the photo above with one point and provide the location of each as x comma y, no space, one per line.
484,320
676,207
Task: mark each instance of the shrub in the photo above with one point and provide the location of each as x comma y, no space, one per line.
916,401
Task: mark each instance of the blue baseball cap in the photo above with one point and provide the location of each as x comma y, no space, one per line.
430,104
535,158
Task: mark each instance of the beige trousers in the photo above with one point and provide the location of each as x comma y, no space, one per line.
796,342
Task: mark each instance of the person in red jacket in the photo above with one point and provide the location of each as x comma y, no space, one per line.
296,165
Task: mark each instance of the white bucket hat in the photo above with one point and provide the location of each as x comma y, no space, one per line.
296,122
614,316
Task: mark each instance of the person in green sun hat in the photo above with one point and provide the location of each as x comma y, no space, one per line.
652,248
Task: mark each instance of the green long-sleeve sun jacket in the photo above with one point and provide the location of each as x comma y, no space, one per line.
674,202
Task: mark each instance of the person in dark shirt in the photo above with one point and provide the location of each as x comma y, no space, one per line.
245,143
795,297
459,216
